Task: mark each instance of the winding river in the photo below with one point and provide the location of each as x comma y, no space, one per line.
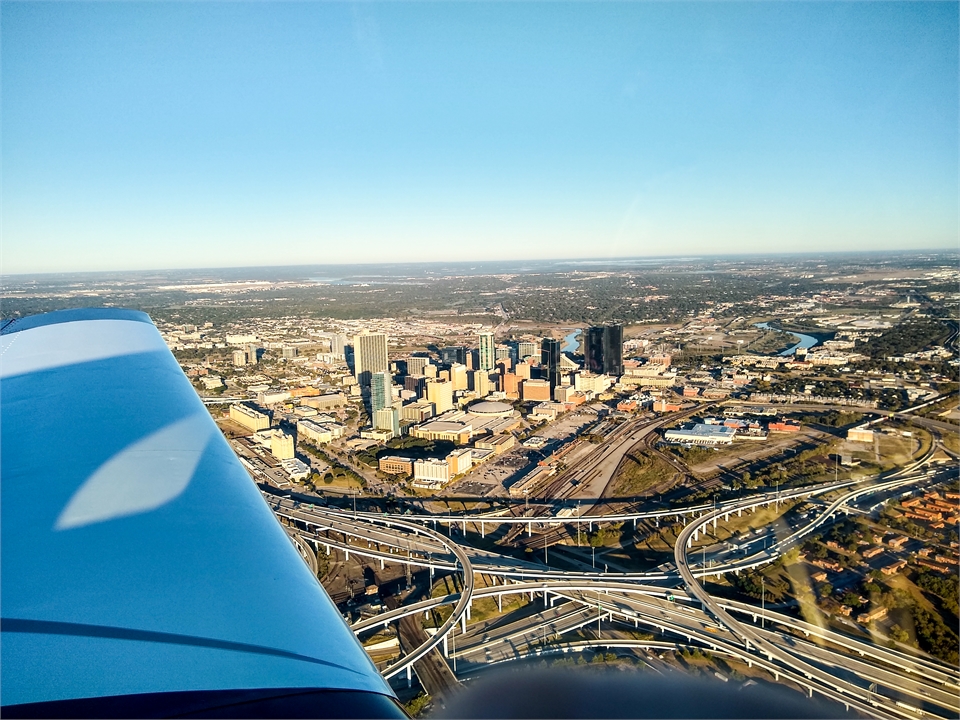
805,341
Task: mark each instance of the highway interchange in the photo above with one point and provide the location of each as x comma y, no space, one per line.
865,677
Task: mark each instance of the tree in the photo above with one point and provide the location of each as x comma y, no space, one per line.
898,634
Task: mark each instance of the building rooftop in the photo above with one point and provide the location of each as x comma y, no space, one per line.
489,407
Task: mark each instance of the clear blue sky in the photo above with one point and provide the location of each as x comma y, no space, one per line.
198,134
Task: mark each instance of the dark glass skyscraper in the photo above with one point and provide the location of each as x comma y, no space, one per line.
453,354
603,349
550,362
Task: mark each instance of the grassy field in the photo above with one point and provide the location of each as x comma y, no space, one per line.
482,608
639,472
951,441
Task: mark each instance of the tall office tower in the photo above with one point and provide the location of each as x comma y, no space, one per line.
415,365
480,382
525,348
440,393
550,362
603,350
458,376
239,358
473,359
251,351
417,384
613,350
488,356
381,391
387,418
430,370
369,356
453,354
510,384
523,371
503,352
593,350
338,344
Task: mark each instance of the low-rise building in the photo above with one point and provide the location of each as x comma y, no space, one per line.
295,468
860,434
281,445
396,465
784,426
417,412
535,390
527,484
328,401
497,444
250,418
701,434
431,473
460,461
893,567
877,613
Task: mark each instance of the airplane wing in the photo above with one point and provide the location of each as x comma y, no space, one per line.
142,572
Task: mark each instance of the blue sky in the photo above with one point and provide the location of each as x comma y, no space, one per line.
210,134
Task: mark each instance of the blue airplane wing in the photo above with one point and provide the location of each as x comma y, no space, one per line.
142,572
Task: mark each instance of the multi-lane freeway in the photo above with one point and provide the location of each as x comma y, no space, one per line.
871,679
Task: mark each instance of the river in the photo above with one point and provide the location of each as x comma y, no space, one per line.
806,341
570,342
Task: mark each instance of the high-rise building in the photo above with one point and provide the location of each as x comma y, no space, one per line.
458,376
550,361
453,354
381,387
510,384
440,393
488,356
480,382
416,365
525,348
417,384
251,351
239,358
281,445
387,418
503,352
603,350
369,356
338,344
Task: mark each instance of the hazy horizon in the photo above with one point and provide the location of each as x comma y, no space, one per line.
152,136
518,266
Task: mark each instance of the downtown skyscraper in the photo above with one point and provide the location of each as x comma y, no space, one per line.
369,356
550,362
381,391
603,350
488,351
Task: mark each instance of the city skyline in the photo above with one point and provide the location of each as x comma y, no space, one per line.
200,136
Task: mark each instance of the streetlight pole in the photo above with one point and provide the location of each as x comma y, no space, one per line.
763,588
599,614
